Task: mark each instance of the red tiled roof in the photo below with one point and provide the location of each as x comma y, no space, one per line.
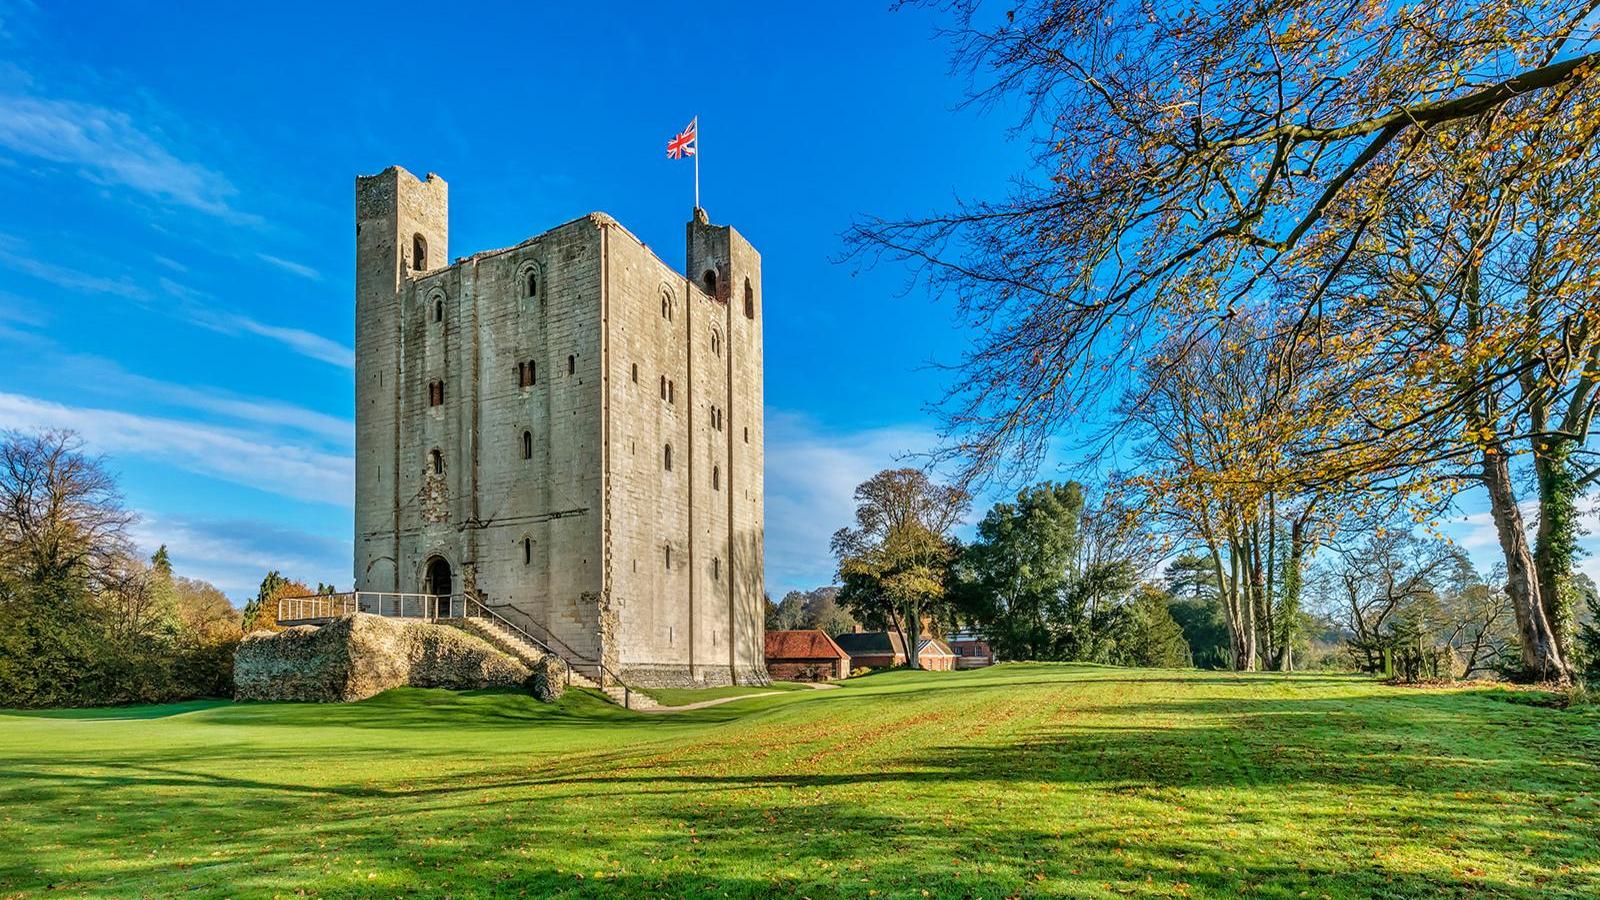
810,644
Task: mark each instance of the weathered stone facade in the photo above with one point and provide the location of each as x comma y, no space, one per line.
360,656
570,426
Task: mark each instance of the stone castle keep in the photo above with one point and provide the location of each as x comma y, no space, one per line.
568,430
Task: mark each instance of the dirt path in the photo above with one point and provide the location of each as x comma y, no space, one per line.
720,700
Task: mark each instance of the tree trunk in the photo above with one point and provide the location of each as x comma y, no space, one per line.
1556,541
1291,594
1541,654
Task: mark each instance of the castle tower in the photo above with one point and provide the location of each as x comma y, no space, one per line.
724,265
402,229
567,431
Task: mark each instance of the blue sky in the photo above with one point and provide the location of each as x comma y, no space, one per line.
176,240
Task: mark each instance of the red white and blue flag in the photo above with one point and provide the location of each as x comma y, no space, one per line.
684,144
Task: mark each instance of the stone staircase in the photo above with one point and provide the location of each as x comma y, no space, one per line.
507,641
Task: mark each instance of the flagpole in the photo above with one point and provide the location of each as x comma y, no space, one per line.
696,162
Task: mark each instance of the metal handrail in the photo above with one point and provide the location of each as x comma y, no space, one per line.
600,667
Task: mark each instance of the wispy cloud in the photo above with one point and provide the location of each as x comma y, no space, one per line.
252,459
298,340
234,554
199,309
14,256
811,475
291,266
106,146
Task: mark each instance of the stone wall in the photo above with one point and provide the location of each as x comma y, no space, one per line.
360,655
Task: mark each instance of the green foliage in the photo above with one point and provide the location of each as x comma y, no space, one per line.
1150,636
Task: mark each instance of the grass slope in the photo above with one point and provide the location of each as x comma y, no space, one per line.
1023,780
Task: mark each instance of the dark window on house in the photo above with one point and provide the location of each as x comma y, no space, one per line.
667,458
435,393
747,434
527,373
527,551
749,300
666,306
716,478
572,364
527,445
419,252
709,279
531,285
436,461
663,387
716,568
635,373
438,310
672,391
667,555
716,343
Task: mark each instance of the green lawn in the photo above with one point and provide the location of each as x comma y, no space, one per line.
1022,780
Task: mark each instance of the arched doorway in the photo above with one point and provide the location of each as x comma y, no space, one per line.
436,578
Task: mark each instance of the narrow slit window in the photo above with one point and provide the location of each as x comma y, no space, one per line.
438,309
635,373
436,393
663,387
666,458
436,461
716,478
672,391
667,555
527,551
749,300
716,568
527,445
572,364
531,284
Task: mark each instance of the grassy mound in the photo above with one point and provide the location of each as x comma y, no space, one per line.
1022,780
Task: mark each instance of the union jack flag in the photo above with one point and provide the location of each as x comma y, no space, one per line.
684,144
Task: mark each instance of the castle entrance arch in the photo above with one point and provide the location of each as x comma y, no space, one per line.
436,577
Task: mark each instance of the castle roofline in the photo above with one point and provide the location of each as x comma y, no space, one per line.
595,219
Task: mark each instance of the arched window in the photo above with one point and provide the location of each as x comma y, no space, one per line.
716,342
572,364
716,478
666,306
667,458
531,284
749,300
527,551
663,387
527,445
709,279
436,461
435,393
438,309
527,373
419,252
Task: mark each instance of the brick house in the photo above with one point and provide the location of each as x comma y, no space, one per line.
806,655
885,649
971,650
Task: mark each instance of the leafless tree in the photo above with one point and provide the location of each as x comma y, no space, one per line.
61,515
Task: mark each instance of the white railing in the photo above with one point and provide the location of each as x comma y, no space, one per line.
378,603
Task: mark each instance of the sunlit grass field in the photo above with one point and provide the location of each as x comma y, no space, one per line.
1023,780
